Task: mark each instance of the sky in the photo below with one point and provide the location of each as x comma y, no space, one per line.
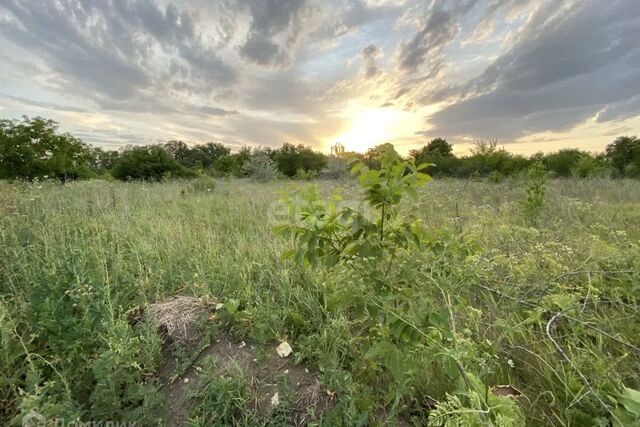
534,75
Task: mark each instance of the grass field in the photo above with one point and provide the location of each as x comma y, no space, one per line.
549,308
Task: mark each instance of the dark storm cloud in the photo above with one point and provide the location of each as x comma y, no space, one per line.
110,47
369,56
440,26
276,26
565,66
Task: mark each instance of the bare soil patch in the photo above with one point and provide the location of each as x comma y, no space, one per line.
264,371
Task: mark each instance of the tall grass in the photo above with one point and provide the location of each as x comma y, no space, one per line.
75,259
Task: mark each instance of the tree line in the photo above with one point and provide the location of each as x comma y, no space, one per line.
33,148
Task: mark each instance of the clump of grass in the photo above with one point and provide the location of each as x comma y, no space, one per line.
221,400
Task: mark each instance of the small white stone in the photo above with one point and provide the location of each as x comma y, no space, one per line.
286,371
275,399
186,380
284,349
242,344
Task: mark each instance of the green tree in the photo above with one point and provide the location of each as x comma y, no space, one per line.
624,155
290,158
150,162
373,157
564,162
202,156
102,160
33,148
208,153
439,152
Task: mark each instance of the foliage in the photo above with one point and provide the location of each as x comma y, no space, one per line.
373,155
33,148
624,154
337,167
231,165
260,167
102,160
326,233
200,155
589,167
385,296
533,205
563,163
147,163
438,152
123,389
480,304
306,175
291,158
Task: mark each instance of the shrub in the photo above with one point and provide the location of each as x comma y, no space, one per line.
336,168
533,205
624,155
151,163
260,167
291,158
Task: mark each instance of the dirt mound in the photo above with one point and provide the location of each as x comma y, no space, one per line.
179,318
269,376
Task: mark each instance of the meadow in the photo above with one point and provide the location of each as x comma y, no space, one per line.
492,319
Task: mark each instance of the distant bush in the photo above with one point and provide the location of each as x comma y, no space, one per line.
533,205
336,168
291,158
305,175
588,167
260,167
196,156
564,162
150,162
624,155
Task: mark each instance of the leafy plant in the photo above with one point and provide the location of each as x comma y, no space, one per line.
260,167
325,233
533,205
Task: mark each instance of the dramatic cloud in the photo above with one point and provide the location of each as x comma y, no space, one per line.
566,65
262,72
276,26
438,29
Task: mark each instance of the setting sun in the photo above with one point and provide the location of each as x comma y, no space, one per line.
372,127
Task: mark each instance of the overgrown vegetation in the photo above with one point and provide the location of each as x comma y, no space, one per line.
449,307
504,301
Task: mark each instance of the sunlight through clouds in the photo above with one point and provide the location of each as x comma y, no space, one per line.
360,72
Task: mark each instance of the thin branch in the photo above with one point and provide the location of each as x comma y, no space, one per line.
573,365
582,322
